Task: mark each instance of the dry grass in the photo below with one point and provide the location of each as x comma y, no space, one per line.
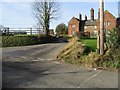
73,53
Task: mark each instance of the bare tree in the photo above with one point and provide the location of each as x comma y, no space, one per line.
44,11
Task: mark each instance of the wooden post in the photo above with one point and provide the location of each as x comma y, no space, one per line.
30,31
98,41
101,27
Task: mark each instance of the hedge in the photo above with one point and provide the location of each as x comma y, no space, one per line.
9,41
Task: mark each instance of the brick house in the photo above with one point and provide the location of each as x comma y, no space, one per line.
91,26
73,26
110,21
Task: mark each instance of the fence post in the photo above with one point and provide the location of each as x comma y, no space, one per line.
30,31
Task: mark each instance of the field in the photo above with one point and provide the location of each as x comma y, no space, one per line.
90,43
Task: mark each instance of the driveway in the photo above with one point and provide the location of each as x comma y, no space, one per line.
36,67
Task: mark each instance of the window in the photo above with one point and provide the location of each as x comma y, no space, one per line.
85,31
106,23
95,32
95,27
73,26
73,33
85,27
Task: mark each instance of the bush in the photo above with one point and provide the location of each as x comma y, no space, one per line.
111,59
113,38
9,41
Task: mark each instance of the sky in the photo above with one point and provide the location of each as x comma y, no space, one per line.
15,14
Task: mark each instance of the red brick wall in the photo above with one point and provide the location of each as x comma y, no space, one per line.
75,22
108,18
90,29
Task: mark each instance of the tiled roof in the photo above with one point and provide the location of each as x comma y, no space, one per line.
91,23
74,18
77,19
106,11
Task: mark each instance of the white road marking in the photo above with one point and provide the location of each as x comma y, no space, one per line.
57,62
34,60
41,59
49,59
93,76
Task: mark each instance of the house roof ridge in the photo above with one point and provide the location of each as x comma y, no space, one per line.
109,13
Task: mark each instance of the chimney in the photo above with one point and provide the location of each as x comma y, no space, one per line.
80,17
85,17
92,14
99,13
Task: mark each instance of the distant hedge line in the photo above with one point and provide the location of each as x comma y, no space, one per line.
10,41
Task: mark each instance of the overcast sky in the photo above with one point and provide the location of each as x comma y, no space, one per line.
19,14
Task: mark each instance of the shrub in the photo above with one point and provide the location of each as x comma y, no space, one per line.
9,41
110,60
113,38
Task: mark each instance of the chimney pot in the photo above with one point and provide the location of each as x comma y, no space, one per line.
85,17
92,14
80,17
99,13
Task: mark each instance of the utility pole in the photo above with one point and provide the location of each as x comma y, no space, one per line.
101,27
98,34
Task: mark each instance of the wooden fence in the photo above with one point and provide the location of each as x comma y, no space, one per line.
28,31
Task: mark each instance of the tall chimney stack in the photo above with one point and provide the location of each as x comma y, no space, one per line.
99,13
85,17
92,14
80,17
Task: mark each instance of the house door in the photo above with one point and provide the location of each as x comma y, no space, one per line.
73,33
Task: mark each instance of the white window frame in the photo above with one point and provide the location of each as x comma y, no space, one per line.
73,26
85,27
95,27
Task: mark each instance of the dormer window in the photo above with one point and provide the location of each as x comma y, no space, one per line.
73,26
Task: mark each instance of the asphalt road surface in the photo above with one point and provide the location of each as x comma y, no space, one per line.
36,67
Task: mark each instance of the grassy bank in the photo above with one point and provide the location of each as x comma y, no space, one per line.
90,43
77,53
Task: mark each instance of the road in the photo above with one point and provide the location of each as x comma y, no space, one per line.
36,67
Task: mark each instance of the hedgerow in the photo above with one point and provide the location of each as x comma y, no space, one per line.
10,41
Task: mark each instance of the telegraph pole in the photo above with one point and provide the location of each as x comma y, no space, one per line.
101,27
